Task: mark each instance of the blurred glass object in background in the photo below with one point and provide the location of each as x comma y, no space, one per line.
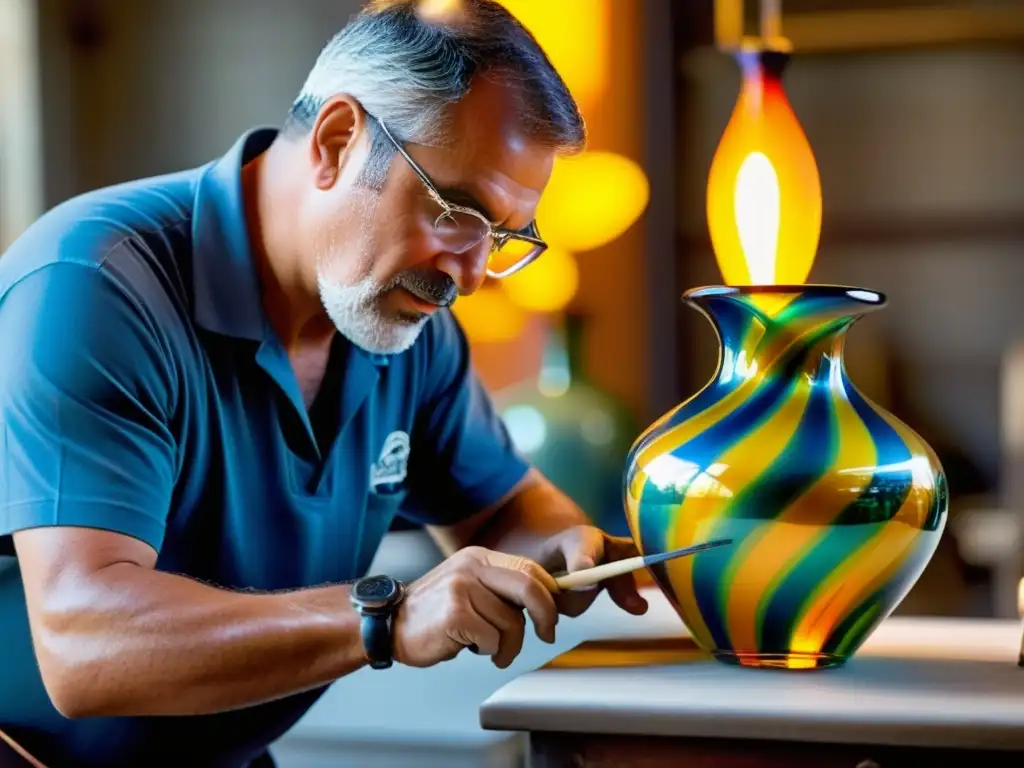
572,431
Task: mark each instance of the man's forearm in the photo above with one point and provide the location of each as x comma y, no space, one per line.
134,641
524,524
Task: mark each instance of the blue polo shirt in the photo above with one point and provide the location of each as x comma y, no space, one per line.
143,391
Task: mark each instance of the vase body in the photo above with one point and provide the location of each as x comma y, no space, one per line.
834,506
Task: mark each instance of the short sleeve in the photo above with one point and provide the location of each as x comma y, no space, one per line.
463,459
85,398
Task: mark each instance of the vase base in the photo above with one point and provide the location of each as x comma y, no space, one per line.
781,660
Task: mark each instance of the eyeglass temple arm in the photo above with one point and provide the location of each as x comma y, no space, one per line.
437,195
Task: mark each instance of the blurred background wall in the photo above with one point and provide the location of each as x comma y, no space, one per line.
138,88
914,110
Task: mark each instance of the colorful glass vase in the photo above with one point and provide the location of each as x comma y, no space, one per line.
834,506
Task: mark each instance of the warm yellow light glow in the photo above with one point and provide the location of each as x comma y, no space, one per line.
591,199
489,316
764,193
757,216
575,34
547,285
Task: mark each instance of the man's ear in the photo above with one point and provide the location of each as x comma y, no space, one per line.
336,132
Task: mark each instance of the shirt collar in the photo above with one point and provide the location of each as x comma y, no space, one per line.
226,286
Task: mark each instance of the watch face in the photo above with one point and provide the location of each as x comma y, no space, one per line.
375,590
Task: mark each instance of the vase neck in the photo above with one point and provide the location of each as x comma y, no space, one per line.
801,332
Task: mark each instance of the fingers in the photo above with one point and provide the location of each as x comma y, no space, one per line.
507,619
471,628
624,593
587,547
584,549
620,548
523,565
622,589
573,602
527,592
474,599
477,597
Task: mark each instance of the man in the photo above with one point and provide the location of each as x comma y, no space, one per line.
218,388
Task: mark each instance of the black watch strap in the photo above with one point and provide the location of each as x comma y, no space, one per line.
376,630
376,598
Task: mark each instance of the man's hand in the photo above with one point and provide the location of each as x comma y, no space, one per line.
584,546
475,597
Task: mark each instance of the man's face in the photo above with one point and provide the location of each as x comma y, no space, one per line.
381,267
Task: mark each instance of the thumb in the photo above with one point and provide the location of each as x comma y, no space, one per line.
583,551
579,562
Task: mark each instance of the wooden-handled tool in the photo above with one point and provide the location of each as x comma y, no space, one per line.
591,576
13,755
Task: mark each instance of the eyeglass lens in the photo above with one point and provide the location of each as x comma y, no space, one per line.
462,231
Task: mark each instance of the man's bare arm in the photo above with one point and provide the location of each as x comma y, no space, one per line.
520,524
115,637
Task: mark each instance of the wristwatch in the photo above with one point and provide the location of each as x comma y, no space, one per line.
376,598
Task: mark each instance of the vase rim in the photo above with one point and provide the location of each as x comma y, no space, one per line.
865,296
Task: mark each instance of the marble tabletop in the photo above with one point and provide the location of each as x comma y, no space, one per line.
918,681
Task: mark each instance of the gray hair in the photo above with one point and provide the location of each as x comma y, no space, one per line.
407,70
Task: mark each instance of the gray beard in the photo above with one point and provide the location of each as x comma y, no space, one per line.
355,308
356,313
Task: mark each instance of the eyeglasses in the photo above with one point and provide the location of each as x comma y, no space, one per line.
463,228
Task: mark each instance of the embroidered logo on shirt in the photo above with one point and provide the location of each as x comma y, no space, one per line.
393,463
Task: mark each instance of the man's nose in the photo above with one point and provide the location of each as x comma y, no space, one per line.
469,268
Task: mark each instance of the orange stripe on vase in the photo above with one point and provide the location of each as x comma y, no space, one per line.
871,565
766,561
704,509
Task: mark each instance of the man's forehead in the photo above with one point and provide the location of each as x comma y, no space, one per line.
493,155
491,106
500,179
